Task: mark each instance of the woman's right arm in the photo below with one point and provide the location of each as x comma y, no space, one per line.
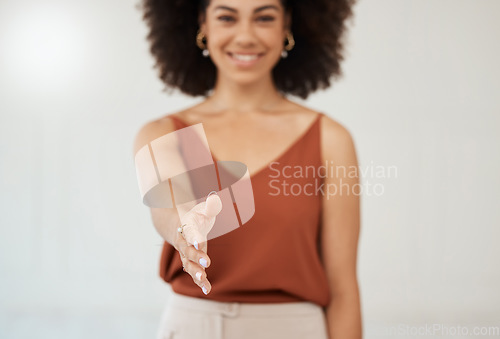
166,220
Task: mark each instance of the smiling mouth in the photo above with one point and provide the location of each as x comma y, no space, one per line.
245,57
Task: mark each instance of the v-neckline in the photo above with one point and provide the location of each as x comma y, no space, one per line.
283,153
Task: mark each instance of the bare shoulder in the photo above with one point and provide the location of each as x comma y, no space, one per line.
337,142
334,131
152,130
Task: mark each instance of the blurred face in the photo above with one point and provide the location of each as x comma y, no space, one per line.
245,37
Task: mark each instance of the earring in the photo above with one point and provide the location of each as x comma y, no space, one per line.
201,44
289,45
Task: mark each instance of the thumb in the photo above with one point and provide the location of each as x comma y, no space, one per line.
213,205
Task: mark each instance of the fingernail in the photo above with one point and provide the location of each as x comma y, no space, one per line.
203,262
196,244
204,290
198,275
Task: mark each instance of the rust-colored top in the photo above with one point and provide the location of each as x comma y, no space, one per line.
275,256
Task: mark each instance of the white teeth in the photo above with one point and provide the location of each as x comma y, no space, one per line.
245,57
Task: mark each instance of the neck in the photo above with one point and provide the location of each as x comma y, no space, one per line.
237,97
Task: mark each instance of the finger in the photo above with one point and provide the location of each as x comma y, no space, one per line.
213,206
210,208
180,244
204,246
206,287
184,261
197,256
190,268
197,273
187,251
193,236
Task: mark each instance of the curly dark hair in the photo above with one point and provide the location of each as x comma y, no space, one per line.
317,26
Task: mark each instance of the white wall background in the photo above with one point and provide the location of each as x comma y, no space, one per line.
78,252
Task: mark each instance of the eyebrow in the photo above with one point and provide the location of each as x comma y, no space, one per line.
255,10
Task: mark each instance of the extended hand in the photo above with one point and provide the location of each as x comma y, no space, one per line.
192,242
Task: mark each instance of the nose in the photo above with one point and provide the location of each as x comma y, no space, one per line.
245,34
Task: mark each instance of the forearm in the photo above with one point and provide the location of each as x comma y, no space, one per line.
343,316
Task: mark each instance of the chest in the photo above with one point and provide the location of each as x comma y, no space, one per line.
254,145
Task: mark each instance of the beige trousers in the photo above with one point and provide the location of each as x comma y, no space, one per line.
186,317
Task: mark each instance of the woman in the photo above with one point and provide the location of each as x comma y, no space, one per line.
290,272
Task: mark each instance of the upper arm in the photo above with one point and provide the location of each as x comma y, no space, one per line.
341,207
146,134
183,187
151,131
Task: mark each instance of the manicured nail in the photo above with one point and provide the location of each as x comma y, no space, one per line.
204,290
203,262
196,244
198,275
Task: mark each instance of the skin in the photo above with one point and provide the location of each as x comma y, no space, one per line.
247,109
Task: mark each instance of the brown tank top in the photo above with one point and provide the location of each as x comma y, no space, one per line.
275,256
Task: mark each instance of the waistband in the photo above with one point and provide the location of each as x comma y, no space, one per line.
189,303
